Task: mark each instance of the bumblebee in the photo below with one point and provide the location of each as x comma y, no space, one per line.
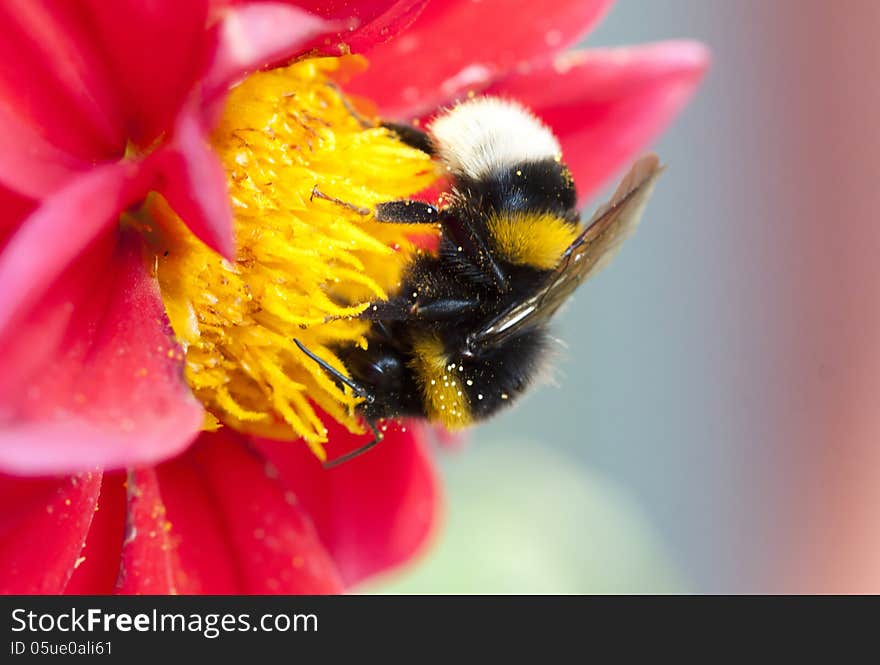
466,333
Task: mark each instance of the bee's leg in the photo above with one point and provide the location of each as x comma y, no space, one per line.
358,389
471,243
412,136
392,212
364,122
318,194
357,452
475,248
406,212
445,309
460,233
405,308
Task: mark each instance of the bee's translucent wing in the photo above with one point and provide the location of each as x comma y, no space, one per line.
591,251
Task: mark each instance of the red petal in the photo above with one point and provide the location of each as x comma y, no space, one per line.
360,23
92,376
156,51
374,512
371,22
194,184
385,26
149,562
255,35
272,537
98,567
14,209
208,561
607,105
53,77
362,11
43,524
459,45
59,231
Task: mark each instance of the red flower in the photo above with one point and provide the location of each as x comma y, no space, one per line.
100,104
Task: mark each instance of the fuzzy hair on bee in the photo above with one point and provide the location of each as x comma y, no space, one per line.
474,140
467,332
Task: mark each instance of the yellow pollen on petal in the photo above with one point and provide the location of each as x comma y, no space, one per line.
305,265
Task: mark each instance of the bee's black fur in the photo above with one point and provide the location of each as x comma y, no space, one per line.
420,337
411,136
458,290
537,186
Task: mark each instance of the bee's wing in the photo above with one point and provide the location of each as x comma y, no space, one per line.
590,252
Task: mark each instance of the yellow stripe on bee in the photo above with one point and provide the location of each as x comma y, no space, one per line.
441,384
532,239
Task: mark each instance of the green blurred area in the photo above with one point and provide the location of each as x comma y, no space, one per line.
522,518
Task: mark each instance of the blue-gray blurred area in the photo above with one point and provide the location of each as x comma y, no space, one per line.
643,469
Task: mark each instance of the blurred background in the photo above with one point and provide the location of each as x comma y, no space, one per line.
715,427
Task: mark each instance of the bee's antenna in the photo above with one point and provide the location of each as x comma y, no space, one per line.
358,389
357,452
364,122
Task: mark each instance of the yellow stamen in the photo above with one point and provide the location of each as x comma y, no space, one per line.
304,266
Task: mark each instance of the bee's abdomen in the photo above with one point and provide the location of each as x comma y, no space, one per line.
499,375
458,391
441,381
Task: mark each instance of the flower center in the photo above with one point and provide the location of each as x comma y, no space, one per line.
305,266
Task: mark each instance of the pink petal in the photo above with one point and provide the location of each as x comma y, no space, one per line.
606,106
92,375
53,77
43,524
29,164
155,52
97,568
253,36
194,184
374,512
149,562
458,45
60,230
270,534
